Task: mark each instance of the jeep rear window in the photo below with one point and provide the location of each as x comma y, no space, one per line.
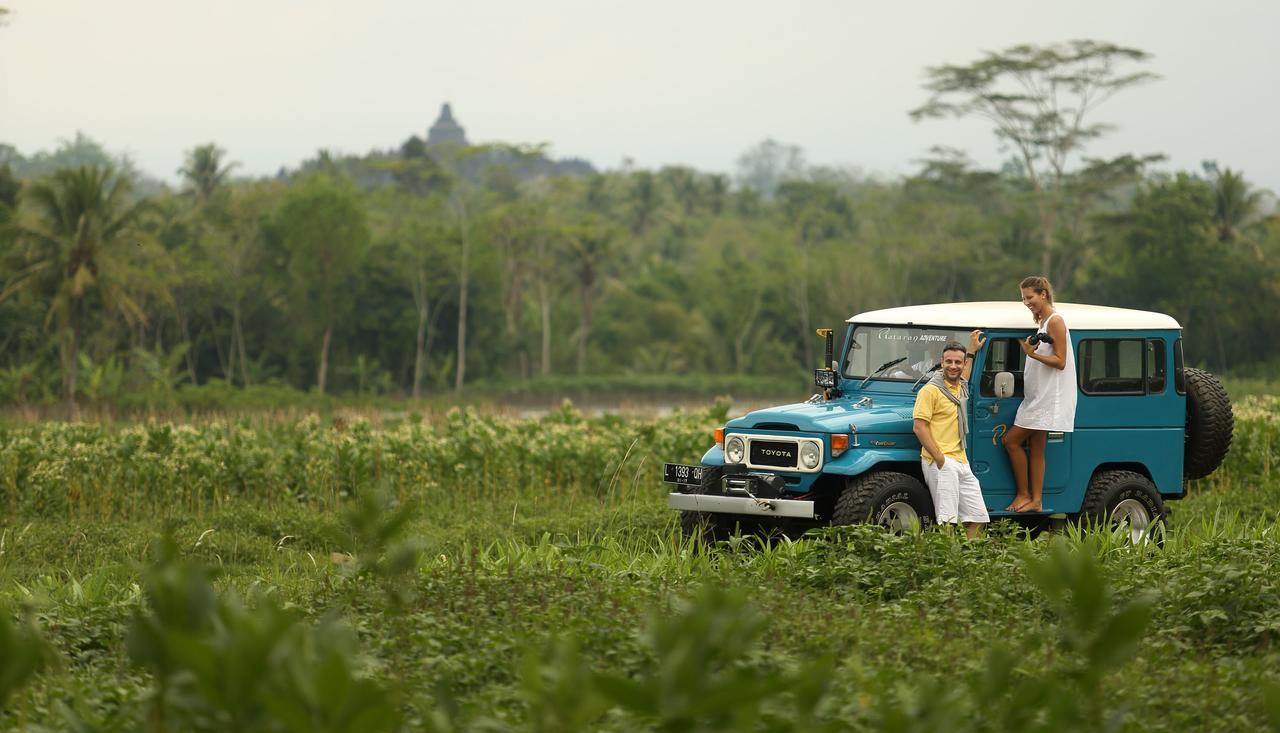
919,349
1111,366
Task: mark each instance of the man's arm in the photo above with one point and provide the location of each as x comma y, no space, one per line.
976,342
922,431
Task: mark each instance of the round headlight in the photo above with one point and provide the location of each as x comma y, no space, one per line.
809,455
734,450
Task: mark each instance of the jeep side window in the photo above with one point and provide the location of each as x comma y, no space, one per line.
1179,376
1155,366
1003,355
1119,367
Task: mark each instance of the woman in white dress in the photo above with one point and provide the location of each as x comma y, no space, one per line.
1049,396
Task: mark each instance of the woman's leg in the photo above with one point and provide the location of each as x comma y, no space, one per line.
1037,441
1014,437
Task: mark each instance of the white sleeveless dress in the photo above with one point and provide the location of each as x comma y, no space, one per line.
1049,401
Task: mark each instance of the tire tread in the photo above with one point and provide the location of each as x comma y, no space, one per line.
855,503
1210,424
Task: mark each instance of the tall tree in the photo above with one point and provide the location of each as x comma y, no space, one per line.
1039,100
645,200
765,166
513,228
237,252
81,245
590,246
419,231
204,172
816,212
462,203
10,187
554,200
1236,204
323,226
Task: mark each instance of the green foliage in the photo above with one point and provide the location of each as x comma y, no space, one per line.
97,471
81,243
359,261
704,675
23,653
529,605
322,226
204,172
220,665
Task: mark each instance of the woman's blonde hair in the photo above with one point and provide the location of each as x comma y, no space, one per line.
1041,285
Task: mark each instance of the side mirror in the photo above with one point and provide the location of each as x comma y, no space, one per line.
1004,385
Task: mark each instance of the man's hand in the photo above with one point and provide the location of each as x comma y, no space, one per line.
939,459
976,341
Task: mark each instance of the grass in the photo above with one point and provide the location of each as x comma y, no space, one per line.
1242,387
537,603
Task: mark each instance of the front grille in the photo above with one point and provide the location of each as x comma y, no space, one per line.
774,453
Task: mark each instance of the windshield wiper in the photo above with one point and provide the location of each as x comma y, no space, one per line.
877,372
932,369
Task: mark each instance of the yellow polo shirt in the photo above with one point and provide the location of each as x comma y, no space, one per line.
941,413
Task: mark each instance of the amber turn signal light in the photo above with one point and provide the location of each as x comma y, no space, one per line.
720,438
839,444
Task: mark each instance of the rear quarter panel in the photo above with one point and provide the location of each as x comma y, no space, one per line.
1142,430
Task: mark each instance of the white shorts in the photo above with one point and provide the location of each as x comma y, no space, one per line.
955,491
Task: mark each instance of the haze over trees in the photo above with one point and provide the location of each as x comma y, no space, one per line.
430,268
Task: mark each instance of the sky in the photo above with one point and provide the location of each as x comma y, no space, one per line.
662,82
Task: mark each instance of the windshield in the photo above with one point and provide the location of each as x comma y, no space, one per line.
915,350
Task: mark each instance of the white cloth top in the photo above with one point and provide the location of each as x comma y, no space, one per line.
1049,401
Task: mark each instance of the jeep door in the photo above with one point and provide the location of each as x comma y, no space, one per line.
990,418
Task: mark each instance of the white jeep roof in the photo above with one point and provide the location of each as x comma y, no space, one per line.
1014,315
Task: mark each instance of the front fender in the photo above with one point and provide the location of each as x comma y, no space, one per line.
857,461
714,456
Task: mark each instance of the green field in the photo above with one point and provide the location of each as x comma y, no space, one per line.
472,572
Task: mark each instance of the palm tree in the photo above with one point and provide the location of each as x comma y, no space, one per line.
1236,206
204,171
78,235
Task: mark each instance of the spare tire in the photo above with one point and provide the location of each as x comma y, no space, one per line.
1209,424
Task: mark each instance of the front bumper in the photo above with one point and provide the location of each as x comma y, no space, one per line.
741,505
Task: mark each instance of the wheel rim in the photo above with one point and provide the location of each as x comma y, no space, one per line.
899,516
1133,516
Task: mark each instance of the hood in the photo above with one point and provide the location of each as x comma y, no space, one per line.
834,416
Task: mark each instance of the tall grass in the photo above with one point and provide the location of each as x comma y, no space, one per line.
93,471
486,573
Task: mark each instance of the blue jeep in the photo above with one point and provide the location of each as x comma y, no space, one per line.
1144,425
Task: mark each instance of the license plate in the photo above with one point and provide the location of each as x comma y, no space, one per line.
675,473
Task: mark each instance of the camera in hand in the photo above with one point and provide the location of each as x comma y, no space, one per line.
1040,338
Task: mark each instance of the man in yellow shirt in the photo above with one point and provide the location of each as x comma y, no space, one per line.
941,423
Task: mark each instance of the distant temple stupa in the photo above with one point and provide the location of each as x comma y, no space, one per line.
446,130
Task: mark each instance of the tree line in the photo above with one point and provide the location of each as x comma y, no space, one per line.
426,269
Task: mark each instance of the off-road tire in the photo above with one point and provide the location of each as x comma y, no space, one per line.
708,527
865,497
1209,424
1107,489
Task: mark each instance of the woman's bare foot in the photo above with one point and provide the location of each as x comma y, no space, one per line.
1017,503
1030,506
